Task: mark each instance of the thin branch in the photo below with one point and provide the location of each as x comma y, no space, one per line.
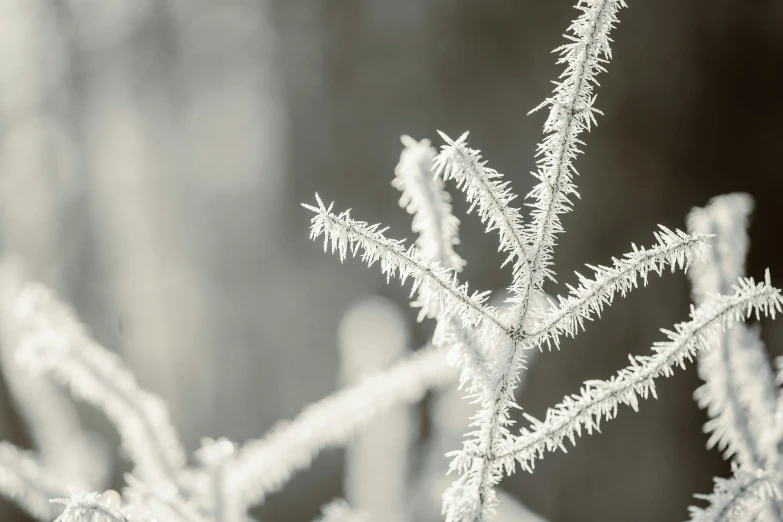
600,399
57,345
23,480
441,296
485,190
675,249
571,112
735,498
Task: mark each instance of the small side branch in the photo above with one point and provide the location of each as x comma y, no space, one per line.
441,296
423,195
675,249
571,112
738,497
599,399
24,481
486,191
57,345
81,507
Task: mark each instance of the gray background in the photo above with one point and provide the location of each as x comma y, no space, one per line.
153,155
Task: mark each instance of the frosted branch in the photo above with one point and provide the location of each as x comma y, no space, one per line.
161,501
571,112
25,482
266,464
93,507
737,497
739,389
424,196
600,399
57,345
216,458
63,445
675,249
486,191
440,295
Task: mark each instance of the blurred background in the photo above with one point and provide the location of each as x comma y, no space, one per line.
153,155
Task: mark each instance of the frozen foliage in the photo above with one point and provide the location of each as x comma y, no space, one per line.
489,344
224,479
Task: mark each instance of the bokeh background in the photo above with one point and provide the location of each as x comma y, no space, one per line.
153,155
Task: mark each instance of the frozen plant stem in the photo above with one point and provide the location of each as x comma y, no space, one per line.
57,345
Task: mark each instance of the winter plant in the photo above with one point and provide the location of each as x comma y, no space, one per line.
490,347
45,344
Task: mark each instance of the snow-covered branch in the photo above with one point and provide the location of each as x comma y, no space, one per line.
486,191
738,396
56,344
739,391
599,399
63,445
571,112
440,295
162,501
266,464
93,507
675,249
738,497
423,195
216,458
24,481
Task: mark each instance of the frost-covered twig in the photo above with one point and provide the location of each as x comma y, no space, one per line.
424,196
737,397
57,345
162,501
675,249
266,464
739,390
216,458
24,481
450,414
94,507
485,190
63,445
442,297
599,399
571,111
738,497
